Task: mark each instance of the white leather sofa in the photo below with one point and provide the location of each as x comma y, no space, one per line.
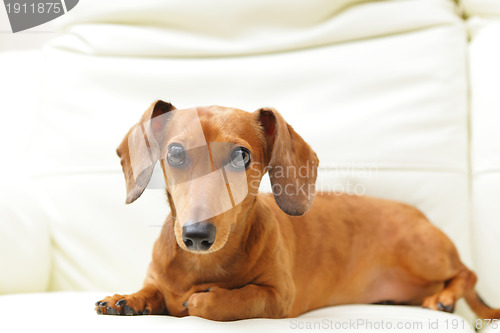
400,99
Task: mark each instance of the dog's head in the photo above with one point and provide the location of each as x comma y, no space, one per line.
213,159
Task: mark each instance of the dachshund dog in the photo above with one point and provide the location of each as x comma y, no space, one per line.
227,252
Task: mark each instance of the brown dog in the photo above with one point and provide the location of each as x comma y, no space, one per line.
227,252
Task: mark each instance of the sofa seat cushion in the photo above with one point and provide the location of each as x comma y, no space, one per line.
73,311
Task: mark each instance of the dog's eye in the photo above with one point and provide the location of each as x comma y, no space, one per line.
240,158
176,155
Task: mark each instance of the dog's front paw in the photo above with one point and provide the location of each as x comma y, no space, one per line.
204,304
128,305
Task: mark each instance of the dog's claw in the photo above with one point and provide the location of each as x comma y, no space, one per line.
387,302
112,311
446,308
121,303
128,311
145,312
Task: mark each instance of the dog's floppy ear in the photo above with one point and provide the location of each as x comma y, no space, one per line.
140,149
291,162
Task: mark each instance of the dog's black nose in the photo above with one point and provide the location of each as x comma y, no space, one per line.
198,236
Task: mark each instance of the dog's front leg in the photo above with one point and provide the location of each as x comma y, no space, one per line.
250,301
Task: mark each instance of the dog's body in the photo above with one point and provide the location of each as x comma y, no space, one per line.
346,249
265,263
